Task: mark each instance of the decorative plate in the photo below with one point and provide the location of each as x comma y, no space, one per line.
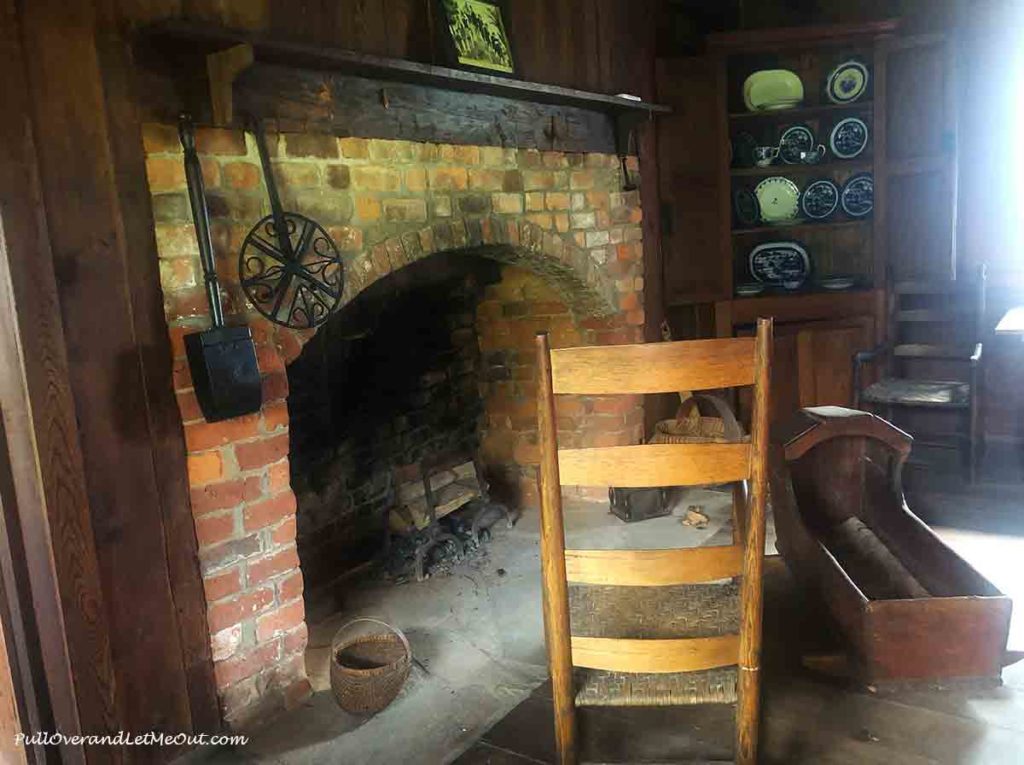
796,141
848,138
820,199
838,283
858,196
748,211
847,82
772,89
780,263
749,289
778,199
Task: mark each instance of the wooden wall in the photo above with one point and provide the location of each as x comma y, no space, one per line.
82,106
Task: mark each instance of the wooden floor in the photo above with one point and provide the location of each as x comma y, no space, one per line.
807,719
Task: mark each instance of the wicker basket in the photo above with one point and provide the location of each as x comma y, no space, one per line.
692,427
368,671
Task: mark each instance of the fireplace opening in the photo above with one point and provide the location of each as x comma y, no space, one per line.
388,409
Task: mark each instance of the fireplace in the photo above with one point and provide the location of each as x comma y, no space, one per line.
455,256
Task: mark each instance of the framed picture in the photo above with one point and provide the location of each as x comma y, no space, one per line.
476,37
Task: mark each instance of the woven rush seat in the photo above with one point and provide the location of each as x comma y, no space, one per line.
600,688
679,611
918,393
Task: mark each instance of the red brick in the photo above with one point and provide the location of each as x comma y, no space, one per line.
241,175
210,140
629,301
614,404
181,375
283,619
288,345
268,359
275,416
223,585
200,436
217,496
255,454
636,318
252,489
230,612
159,139
165,173
278,476
264,568
295,640
214,529
230,671
275,386
188,405
285,533
290,587
269,511
205,468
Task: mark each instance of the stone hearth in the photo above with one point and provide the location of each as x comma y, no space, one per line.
567,241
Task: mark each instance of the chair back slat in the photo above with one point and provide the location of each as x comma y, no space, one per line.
654,367
671,655
653,568
654,465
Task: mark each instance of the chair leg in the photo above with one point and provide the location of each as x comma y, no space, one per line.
748,712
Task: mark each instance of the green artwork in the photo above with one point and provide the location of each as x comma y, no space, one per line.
479,34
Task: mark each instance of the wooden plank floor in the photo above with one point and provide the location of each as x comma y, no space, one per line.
807,719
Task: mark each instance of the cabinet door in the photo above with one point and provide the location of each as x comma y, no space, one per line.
812,364
693,176
825,360
915,129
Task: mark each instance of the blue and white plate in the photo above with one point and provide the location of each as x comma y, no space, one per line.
780,264
820,199
858,195
848,138
847,82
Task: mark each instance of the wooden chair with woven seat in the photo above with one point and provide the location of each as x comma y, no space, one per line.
932,360
654,627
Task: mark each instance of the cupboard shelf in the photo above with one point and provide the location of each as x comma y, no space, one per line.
823,168
781,229
805,112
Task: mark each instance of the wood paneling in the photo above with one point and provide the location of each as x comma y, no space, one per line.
47,515
96,207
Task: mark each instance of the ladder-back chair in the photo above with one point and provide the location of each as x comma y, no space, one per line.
932,359
654,627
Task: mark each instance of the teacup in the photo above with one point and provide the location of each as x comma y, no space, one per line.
813,157
765,155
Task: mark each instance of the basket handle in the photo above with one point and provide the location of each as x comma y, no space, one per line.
398,633
730,426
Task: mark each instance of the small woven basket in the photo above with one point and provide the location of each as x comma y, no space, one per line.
368,671
692,427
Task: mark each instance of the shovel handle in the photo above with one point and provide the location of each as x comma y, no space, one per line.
201,217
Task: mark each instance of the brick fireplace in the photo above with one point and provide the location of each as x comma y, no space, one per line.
560,246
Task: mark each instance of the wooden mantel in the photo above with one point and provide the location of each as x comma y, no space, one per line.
290,81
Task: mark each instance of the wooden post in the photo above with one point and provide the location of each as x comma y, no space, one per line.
748,708
552,562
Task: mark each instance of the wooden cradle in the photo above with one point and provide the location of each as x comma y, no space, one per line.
908,606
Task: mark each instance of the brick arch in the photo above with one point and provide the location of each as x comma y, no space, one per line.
587,289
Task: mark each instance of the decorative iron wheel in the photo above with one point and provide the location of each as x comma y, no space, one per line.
297,291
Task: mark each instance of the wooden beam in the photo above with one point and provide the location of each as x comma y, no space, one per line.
368,107
222,67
